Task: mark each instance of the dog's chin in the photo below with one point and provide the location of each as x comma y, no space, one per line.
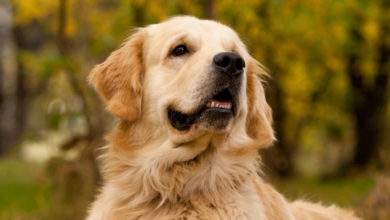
215,119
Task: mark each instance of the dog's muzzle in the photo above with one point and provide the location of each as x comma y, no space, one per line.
221,103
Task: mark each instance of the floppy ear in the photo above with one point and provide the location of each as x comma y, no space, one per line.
118,79
259,118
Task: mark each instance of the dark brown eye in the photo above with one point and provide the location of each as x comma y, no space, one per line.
179,50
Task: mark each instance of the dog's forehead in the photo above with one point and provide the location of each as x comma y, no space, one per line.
191,25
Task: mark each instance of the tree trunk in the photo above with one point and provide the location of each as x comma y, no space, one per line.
368,126
2,73
369,101
7,87
3,147
14,95
21,100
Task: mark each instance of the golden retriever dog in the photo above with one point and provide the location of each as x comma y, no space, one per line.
192,116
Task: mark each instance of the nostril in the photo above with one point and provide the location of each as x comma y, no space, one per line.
222,61
225,61
240,63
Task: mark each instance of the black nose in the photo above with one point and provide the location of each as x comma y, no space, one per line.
229,62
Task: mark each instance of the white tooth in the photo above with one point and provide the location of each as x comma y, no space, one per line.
229,106
212,104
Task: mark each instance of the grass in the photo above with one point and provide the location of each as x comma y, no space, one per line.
25,192
347,192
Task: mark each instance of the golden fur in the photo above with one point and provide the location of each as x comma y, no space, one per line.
151,170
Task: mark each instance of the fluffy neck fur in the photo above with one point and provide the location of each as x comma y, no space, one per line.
149,181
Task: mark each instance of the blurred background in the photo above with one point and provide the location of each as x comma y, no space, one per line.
329,90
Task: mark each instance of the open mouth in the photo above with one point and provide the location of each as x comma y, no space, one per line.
218,109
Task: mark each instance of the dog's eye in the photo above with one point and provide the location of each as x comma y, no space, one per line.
179,50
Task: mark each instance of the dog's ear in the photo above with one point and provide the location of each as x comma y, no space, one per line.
259,118
118,80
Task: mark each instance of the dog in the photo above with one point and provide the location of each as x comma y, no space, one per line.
192,116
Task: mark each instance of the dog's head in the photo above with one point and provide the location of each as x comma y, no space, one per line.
190,77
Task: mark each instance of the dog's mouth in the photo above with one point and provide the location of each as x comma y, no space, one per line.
215,112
